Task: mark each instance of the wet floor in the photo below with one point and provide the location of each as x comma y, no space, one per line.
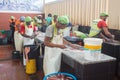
13,69
6,52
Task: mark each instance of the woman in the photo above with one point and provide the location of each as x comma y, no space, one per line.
54,19
49,19
28,33
38,20
54,43
12,21
18,38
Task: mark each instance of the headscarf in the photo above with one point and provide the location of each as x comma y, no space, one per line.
63,20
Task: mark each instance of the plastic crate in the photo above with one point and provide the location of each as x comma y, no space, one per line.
8,35
15,54
3,41
2,31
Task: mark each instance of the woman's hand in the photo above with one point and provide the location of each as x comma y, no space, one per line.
36,33
113,37
32,37
61,46
74,46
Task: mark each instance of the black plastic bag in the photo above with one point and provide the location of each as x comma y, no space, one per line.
34,51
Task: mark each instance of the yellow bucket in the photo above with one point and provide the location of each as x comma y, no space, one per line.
93,43
92,47
31,66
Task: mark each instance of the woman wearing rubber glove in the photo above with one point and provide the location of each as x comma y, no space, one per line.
54,43
28,32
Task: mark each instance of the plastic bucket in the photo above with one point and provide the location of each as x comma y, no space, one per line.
31,66
60,76
93,47
93,43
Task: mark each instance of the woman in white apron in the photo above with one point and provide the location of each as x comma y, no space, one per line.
54,43
27,31
18,38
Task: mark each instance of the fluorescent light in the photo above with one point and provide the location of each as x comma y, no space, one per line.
48,1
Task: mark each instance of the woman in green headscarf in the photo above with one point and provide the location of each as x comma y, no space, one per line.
54,43
28,31
54,19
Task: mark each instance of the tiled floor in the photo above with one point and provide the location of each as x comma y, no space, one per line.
13,69
6,51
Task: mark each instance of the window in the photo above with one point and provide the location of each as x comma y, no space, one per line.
49,1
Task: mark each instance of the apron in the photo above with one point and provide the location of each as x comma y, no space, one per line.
52,57
66,31
18,38
27,41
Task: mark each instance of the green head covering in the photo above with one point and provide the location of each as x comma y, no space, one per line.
35,18
3,31
80,34
55,14
63,20
12,17
28,19
104,14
